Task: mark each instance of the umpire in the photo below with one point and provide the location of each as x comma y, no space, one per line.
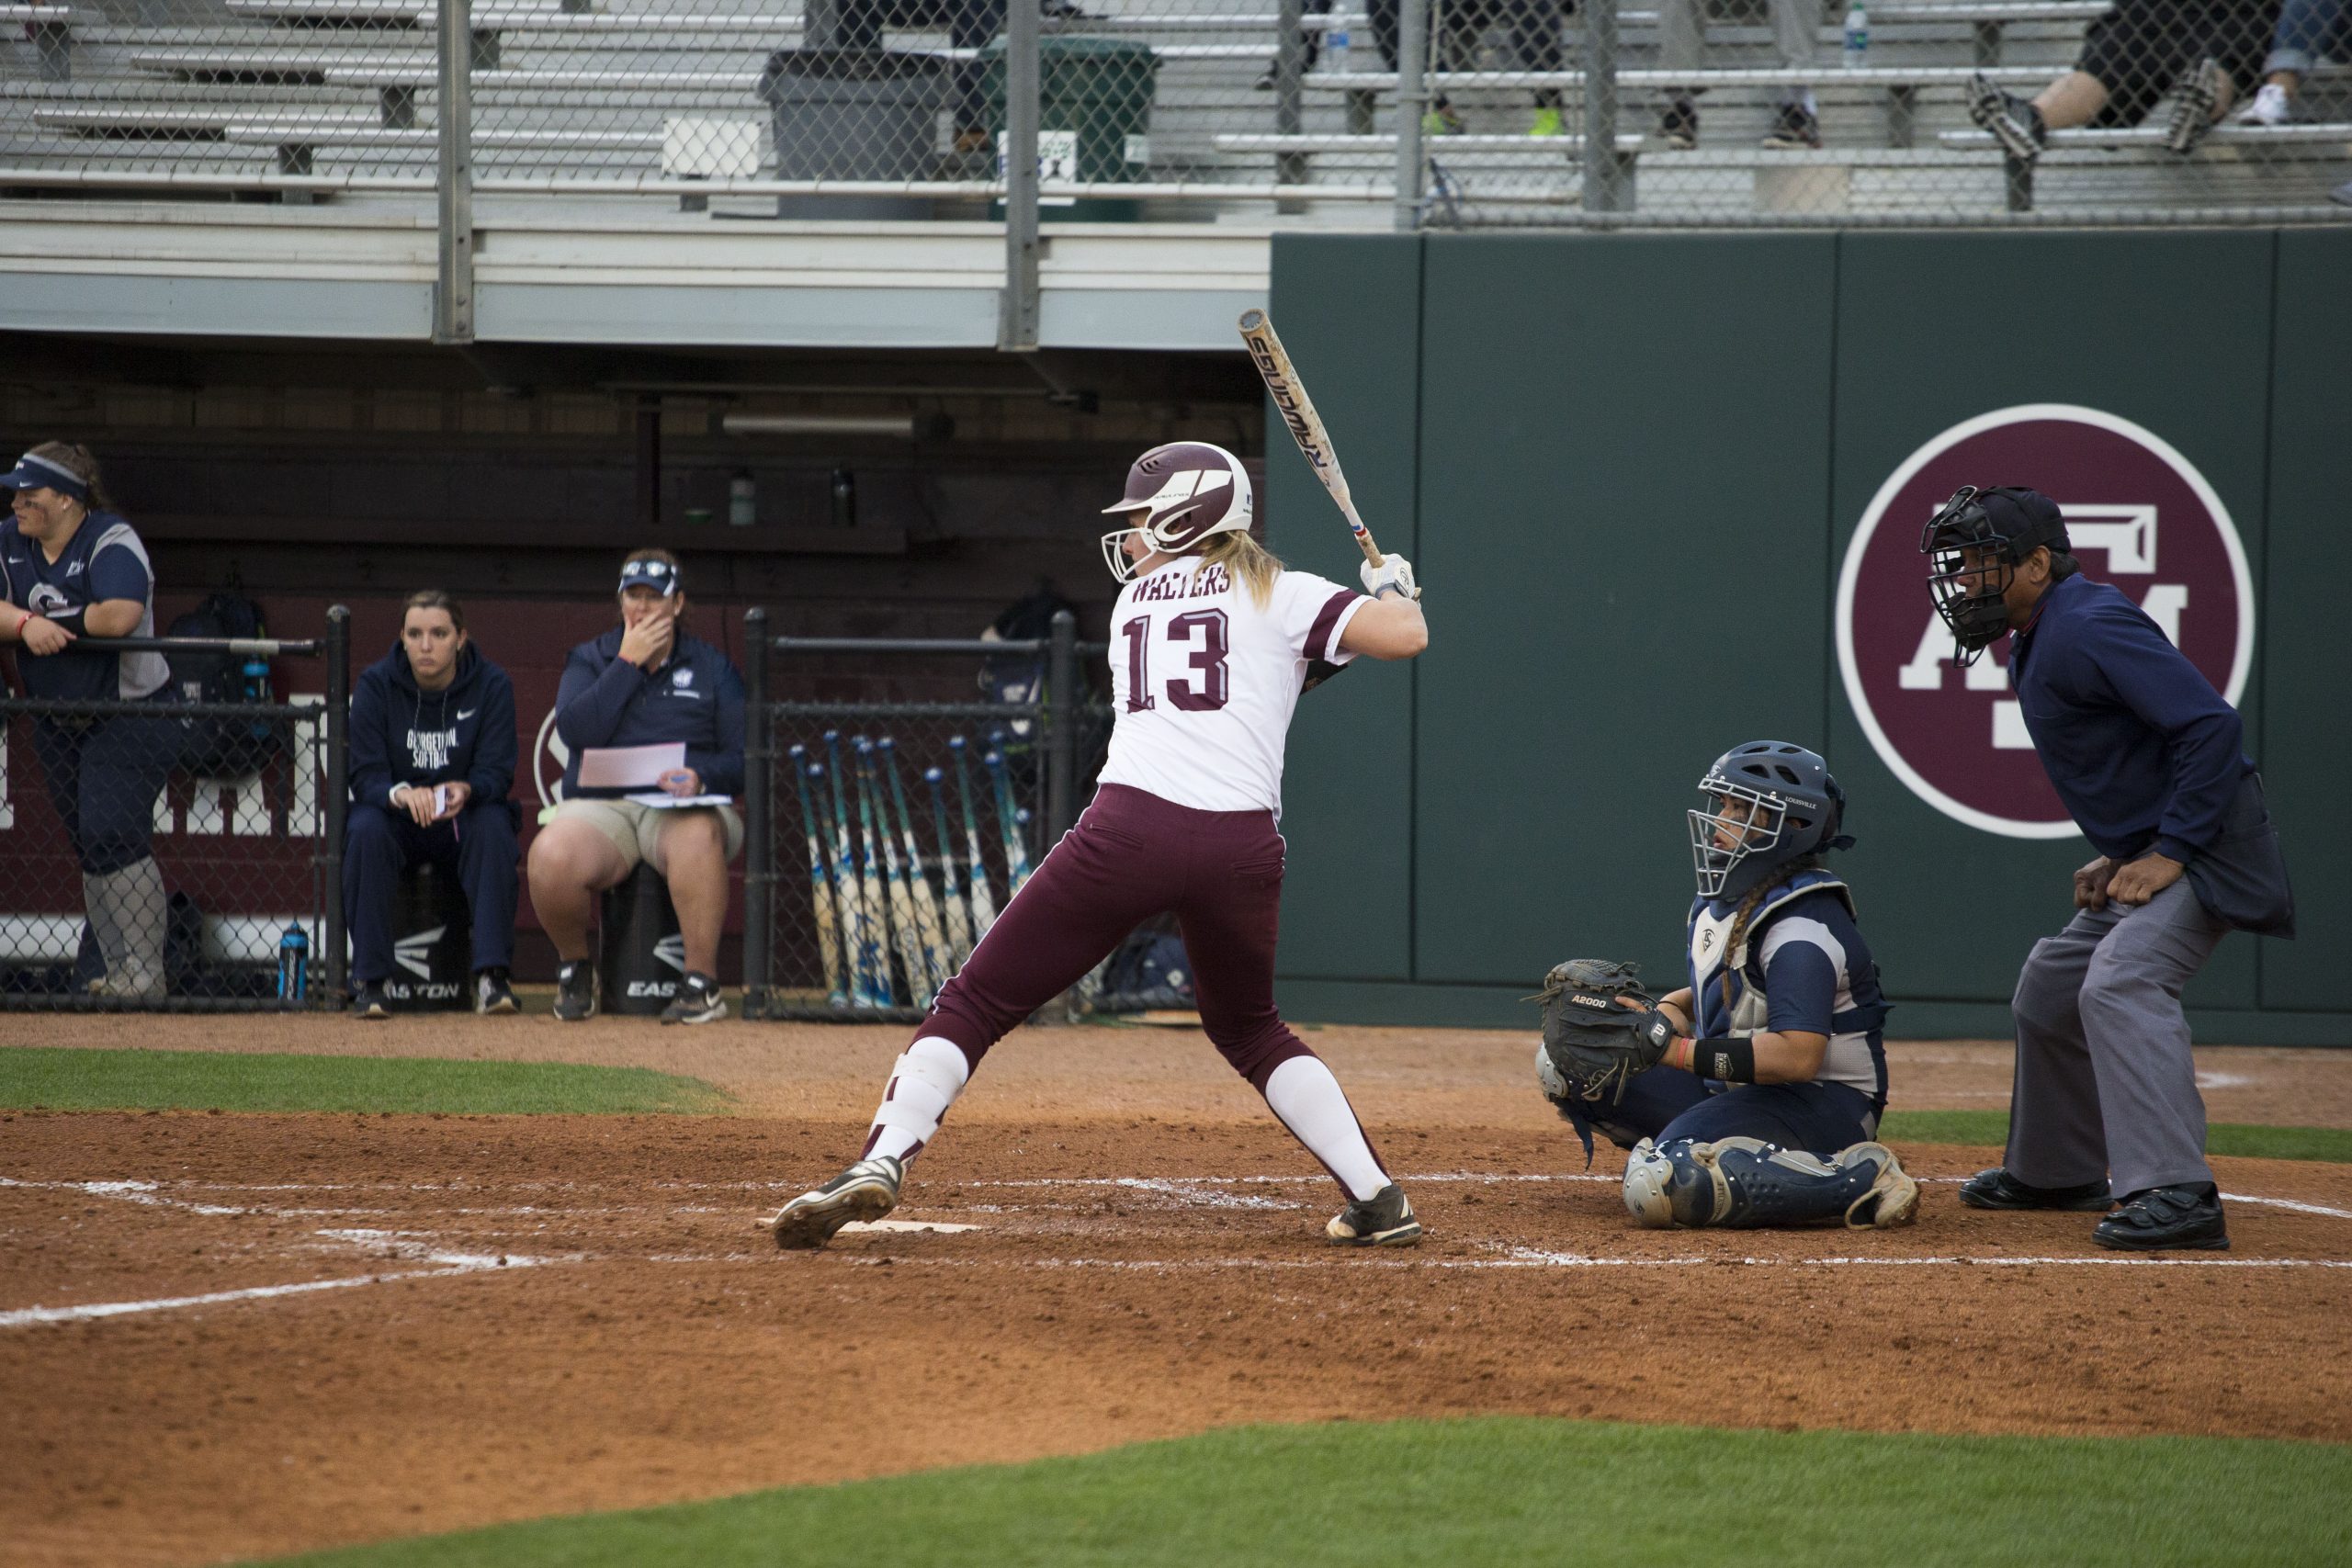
2147,757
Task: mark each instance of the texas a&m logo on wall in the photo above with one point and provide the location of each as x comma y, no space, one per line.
2139,517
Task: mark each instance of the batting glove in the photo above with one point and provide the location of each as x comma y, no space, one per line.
1393,571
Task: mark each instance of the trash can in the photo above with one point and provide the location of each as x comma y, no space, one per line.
432,942
854,114
640,958
1093,120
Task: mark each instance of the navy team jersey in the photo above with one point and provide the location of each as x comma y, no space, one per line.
104,559
1803,966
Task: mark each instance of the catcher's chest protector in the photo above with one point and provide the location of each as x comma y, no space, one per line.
1710,936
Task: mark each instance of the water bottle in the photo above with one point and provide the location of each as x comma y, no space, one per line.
1335,44
1858,36
294,964
742,500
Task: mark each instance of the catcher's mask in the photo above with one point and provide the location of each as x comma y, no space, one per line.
1762,806
1178,495
1975,543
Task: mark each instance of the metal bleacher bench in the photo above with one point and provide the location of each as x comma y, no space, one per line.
50,31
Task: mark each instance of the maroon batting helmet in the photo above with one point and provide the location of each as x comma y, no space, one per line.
1185,492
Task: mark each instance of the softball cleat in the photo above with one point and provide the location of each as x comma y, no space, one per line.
866,1191
1384,1219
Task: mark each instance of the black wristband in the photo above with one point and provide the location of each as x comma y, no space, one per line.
1729,1061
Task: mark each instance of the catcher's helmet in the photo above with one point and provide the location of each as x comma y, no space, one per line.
1178,495
1999,527
1775,803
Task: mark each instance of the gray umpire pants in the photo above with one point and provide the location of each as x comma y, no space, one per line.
2105,1086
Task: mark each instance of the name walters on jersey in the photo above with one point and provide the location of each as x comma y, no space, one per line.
1204,681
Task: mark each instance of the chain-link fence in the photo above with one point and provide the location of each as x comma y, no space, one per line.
168,854
886,836
1402,112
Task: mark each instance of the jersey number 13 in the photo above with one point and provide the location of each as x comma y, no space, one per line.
1203,686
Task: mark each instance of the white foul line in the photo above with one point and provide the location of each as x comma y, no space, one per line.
453,1264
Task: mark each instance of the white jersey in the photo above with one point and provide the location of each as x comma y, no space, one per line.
1203,681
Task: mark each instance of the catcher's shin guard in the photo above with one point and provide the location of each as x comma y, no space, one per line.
1744,1183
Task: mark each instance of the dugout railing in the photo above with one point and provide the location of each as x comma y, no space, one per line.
883,837
202,837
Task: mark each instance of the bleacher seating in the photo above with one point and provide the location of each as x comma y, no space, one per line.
346,88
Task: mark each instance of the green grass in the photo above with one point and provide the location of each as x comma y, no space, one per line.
1499,1491
37,1078
1991,1129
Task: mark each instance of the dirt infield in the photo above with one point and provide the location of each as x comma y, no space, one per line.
408,1324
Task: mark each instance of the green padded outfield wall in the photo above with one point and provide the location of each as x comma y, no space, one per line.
1630,468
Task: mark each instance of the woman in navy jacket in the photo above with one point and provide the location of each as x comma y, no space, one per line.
646,683
431,764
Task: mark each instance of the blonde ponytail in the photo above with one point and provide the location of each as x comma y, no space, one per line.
1245,560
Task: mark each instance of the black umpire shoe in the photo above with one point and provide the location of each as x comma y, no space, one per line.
1996,1189
2164,1218
575,991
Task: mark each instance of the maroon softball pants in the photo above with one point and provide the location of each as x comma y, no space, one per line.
1131,856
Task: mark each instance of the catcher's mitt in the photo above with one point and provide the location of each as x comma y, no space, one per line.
1593,1044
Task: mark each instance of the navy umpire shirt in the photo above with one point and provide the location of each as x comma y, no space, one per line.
2139,745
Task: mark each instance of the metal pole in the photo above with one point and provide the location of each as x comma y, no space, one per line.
1016,330
1290,60
1603,175
453,300
338,802
1061,728
649,462
759,798
1412,103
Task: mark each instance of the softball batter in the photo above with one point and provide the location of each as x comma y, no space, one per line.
1211,643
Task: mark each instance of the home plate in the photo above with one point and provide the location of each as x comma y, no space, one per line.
939,1225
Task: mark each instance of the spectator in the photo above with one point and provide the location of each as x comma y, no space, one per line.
73,568
646,683
1535,27
2307,30
1682,42
2132,57
432,786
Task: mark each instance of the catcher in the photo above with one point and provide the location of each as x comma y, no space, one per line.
1751,1096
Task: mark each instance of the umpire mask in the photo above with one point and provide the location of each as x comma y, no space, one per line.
1974,544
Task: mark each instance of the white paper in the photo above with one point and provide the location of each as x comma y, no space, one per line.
660,802
440,800
629,767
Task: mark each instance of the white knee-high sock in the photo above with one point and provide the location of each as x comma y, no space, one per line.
1302,1092
924,1082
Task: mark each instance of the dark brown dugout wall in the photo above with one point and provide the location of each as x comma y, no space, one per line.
1632,467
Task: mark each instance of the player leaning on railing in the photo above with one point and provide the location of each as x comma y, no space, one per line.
1751,1096
1212,641
72,567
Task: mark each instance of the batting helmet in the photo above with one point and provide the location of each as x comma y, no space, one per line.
1184,491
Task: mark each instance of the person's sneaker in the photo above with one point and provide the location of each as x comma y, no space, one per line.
2271,105
697,1002
1893,1198
575,991
2164,1218
1996,1189
2342,195
1796,128
492,993
2192,108
369,1001
1677,127
1384,1219
2016,124
866,1190
1548,122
